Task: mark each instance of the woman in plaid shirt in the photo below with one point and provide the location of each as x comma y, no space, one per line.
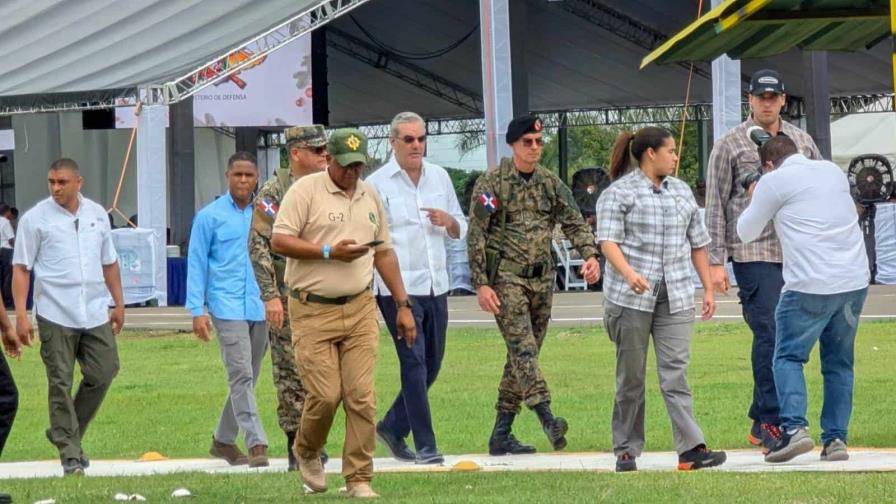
650,232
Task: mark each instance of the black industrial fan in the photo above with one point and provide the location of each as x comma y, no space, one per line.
587,184
870,182
870,178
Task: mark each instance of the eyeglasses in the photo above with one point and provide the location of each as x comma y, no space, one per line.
321,150
527,142
408,139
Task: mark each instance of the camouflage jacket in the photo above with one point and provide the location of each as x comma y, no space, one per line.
532,209
269,267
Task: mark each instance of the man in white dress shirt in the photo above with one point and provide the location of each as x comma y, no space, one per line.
66,241
825,285
423,212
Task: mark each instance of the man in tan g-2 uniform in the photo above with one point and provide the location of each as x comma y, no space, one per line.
326,227
307,149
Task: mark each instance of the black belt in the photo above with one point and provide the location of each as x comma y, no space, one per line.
314,298
524,270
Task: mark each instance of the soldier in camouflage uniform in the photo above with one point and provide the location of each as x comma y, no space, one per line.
514,210
307,148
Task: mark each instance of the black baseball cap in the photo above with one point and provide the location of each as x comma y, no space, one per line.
766,81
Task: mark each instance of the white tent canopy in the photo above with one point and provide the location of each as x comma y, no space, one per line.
858,134
108,48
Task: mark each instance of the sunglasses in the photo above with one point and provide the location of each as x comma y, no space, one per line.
537,141
408,139
318,150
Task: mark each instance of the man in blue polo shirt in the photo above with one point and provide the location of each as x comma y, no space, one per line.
220,279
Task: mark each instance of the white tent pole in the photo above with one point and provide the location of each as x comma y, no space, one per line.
497,90
152,199
726,93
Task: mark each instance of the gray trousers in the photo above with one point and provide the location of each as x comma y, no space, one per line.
243,344
630,330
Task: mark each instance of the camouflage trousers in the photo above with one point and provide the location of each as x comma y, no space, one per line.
290,391
523,321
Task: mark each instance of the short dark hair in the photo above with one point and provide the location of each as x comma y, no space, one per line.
779,147
4,208
65,163
242,156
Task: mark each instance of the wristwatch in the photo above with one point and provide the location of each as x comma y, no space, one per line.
403,304
326,251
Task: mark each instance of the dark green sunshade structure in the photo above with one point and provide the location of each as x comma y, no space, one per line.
759,28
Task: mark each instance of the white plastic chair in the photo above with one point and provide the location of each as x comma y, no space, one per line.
569,265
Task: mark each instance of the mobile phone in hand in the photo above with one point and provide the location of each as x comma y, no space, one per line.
373,243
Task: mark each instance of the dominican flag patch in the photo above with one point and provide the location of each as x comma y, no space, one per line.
268,207
489,202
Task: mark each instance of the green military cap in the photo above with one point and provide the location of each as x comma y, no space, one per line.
347,146
307,136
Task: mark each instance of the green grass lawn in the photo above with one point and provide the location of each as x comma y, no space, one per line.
502,488
171,387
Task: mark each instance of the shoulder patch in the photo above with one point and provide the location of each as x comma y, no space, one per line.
486,204
267,207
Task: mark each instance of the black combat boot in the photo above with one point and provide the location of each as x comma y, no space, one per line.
503,441
554,427
291,456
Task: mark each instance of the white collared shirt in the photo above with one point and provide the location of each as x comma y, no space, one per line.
815,219
66,254
419,245
6,233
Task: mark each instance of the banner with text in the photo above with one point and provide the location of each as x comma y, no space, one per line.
273,91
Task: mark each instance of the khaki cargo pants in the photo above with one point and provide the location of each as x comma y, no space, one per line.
336,347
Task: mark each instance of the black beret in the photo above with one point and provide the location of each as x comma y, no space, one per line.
519,126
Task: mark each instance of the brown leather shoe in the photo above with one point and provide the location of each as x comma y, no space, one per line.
229,452
360,490
258,456
312,472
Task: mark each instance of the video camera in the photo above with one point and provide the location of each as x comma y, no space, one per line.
759,137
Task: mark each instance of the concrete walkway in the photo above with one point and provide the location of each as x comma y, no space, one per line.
570,309
861,460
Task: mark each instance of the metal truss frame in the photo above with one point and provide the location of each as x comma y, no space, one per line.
400,68
213,71
58,107
604,116
258,47
636,115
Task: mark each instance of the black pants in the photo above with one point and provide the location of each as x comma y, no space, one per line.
9,401
759,287
6,275
419,364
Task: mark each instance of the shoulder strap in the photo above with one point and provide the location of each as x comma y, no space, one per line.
284,179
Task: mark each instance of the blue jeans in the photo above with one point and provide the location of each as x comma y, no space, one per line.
832,320
419,365
759,288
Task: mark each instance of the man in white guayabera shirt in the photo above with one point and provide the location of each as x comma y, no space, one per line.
423,214
66,242
825,284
